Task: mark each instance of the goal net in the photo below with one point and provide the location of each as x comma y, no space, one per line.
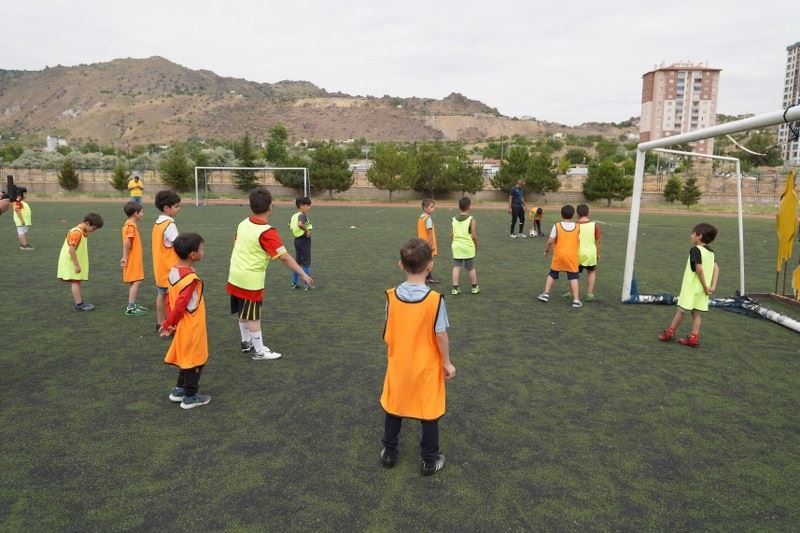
210,179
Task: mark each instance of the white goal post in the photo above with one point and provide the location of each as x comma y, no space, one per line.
759,121
306,184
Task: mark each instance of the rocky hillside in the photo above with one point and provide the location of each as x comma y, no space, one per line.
133,101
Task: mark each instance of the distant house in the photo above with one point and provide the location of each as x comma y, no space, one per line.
53,143
490,167
361,166
578,171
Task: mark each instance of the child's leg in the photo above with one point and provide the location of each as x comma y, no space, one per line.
429,444
391,431
189,380
133,292
676,320
22,236
548,284
697,319
456,275
298,254
574,289
473,276
161,299
75,288
590,279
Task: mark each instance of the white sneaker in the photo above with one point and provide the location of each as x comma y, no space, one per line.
266,355
522,236
513,236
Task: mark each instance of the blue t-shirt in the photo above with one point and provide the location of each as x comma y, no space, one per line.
412,292
517,197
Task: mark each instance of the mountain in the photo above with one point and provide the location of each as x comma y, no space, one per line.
135,101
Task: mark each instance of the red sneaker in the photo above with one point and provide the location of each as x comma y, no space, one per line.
667,335
691,340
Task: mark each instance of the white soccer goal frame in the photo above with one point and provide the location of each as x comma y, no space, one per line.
759,121
306,185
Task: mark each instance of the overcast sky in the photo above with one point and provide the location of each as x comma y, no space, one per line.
567,61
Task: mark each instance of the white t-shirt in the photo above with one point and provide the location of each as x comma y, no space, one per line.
171,233
567,225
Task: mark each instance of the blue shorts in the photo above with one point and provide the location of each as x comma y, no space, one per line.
570,275
161,290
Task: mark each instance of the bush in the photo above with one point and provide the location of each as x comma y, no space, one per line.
68,178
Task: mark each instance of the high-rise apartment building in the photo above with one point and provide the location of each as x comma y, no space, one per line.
791,95
679,98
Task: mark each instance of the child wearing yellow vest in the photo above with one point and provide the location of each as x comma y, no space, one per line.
564,239
256,244
22,218
418,358
427,232
465,246
186,322
132,262
73,261
300,227
589,250
163,236
695,287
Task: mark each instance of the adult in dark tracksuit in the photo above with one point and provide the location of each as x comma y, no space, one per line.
516,206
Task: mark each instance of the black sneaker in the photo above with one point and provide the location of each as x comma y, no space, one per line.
429,468
388,457
83,306
247,347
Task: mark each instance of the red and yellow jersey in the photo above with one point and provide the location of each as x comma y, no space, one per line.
565,251
134,268
414,382
422,231
186,310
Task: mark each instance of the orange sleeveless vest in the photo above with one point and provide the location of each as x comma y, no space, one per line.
134,269
189,346
565,253
163,258
414,382
422,231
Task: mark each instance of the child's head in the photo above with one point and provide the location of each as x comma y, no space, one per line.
131,208
706,232
168,200
92,222
303,203
416,256
428,205
583,210
189,246
538,210
260,201
464,204
567,212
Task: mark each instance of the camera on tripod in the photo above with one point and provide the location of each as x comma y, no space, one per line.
12,191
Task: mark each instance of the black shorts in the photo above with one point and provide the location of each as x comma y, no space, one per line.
245,309
570,275
587,268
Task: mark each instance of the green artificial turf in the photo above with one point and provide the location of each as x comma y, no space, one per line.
558,419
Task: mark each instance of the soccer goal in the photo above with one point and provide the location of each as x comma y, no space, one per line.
202,182
760,121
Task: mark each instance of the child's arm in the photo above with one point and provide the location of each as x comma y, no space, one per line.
430,237
597,241
473,231
126,249
698,269
550,242
444,351
175,314
292,265
714,278
74,257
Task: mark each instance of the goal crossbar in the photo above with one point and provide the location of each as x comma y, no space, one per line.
759,121
306,187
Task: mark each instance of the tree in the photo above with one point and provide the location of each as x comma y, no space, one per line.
292,178
68,178
512,169
672,189
245,179
690,193
390,169
119,178
429,169
462,175
606,149
605,181
176,170
577,156
540,177
330,170
277,153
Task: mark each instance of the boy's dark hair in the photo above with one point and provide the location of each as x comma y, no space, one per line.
260,200
131,207
538,210
427,201
567,212
302,200
186,243
94,219
583,210
415,255
706,231
167,198
464,203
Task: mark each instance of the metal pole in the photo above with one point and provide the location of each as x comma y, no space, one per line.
633,225
196,190
741,227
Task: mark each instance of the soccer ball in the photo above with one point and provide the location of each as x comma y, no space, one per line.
533,233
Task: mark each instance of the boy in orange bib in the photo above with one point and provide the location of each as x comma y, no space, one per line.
132,262
565,241
186,321
418,358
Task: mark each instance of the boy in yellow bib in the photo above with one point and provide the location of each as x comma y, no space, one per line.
465,246
73,262
301,227
695,288
22,218
589,249
418,358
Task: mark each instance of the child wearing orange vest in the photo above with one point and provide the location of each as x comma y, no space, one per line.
164,234
427,232
132,263
186,321
418,358
565,241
